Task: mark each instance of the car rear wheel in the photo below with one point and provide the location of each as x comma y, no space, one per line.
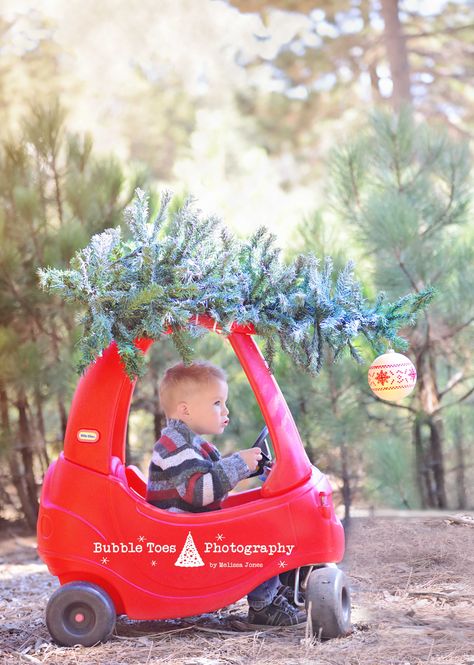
328,602
80,613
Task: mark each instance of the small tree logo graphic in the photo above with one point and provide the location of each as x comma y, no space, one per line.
189,556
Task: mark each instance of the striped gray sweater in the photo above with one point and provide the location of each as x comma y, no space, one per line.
188,474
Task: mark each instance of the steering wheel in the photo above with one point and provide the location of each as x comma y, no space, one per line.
262,443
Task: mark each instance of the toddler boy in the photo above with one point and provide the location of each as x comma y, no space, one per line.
188,474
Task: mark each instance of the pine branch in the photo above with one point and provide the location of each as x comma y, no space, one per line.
176,266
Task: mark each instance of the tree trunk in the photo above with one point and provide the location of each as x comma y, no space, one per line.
5,434
30,511
397,54
346,483
460,463
429,398
17,477
62,415
437,464
43,453
4,415
26,450
420,464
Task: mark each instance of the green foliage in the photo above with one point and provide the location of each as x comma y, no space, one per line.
405,189
391,478
180,263
54,195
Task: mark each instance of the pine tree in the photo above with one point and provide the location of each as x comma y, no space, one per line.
178,263
54,194
404,189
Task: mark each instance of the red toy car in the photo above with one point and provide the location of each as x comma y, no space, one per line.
114,553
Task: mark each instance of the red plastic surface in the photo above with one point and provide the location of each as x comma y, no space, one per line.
95,524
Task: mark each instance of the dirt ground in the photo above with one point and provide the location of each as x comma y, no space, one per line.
412,585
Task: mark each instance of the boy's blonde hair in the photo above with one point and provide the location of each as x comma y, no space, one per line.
180,378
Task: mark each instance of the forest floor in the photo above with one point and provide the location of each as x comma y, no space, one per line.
412,585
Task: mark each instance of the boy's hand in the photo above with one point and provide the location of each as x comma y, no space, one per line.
251,457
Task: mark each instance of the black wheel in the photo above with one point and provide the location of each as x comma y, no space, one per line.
328,602
80,613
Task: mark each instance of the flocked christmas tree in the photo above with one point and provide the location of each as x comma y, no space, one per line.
179,263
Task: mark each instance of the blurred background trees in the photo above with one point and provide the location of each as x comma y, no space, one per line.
54,194
253,107
404,190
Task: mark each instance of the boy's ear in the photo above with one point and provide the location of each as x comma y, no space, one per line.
182,409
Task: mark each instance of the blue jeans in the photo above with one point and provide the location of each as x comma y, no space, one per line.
264,593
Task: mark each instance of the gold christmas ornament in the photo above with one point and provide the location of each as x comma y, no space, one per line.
392,376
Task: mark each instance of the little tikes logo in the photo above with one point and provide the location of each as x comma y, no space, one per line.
88,435
190,557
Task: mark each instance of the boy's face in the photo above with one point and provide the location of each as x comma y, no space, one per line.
204,411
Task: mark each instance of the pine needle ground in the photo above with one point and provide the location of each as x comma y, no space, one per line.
413,603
